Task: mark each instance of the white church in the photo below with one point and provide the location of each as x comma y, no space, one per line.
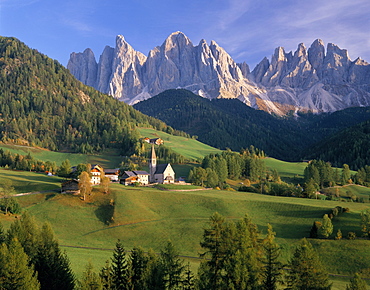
158,173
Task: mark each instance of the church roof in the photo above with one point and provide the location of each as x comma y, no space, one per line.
161,168
140,172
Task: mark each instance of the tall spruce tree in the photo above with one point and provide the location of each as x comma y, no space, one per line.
272,268
90,279
51,263
139,263
173,267
305,270
121,276
16,271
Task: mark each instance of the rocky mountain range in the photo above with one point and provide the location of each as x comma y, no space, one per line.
313,79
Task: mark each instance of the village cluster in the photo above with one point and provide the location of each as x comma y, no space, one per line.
158,173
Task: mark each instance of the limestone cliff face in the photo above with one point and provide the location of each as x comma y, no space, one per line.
303,80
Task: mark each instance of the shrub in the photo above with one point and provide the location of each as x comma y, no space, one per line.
351,235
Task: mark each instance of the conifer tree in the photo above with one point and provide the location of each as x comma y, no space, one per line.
212,242
90,279
106,276
154,276
188,283
305,270
65,169
357,283
52,265
16,272
173,267
272,267
121,277
139,263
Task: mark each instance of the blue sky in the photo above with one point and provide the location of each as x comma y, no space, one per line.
248,29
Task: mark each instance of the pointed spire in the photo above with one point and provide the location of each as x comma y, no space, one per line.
152,164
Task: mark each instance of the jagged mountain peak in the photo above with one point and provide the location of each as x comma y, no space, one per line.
307,80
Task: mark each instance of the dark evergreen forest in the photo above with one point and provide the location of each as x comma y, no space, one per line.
42,104
226,123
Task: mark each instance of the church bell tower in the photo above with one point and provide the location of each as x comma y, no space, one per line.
152,164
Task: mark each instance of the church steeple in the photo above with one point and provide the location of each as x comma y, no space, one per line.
152,164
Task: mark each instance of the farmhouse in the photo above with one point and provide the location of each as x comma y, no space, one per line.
132,177
112,174
70,187
96,173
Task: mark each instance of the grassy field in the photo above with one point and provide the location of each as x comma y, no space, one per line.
24,181
149,217
189,148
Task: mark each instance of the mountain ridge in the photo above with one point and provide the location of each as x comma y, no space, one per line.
225,123
313,79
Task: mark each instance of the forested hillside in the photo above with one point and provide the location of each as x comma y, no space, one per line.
42,104
351,146
225,123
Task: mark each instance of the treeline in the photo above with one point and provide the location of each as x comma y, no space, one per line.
319,174
42,104
216,168
324,228
350,146
234,257
25,162
31,258
224,123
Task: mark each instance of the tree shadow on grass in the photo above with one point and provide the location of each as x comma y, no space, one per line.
49,196
105,213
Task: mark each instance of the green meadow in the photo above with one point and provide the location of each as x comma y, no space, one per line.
189,148
148,217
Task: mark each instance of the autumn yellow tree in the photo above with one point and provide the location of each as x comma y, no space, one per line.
84,184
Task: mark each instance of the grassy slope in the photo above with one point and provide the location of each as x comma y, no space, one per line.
190,148
24,181
149,217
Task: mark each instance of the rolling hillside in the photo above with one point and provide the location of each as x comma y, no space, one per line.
226,123
149,217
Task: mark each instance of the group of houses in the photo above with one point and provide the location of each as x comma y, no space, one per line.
158,173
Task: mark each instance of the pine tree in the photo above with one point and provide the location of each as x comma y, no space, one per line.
139,263
52,265
121,277
188,283
212,242
154,276
16,272
357,283
90,280
305,270
106,276
65,169
272,267
172,265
